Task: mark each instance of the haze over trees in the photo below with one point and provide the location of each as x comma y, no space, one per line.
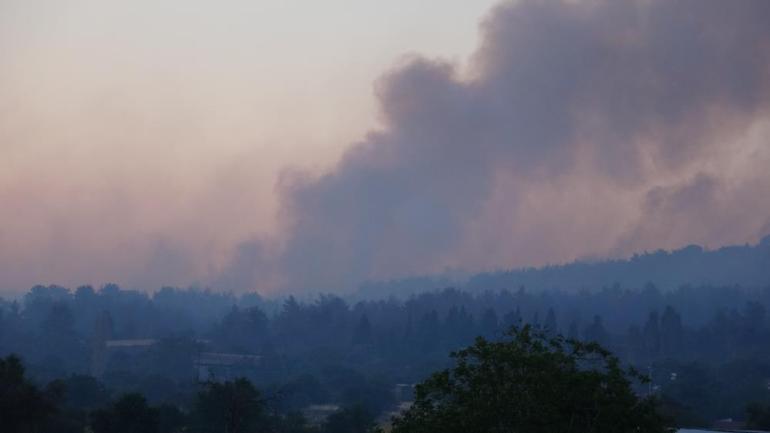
704,347
742,265
526,381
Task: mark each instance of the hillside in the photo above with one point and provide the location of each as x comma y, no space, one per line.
742,265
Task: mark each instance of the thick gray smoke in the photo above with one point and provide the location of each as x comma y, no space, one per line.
578,129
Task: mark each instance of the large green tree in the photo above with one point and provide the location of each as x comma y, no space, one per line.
530,383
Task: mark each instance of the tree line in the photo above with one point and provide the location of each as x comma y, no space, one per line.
80,404
703,347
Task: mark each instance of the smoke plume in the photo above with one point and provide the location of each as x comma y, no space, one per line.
577,129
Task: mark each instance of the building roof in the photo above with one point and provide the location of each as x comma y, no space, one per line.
129,343
214,358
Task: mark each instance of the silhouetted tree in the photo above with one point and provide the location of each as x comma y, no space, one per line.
651,334
671,332
243,331
362,334
229,407
530,383
129,414
23,407
489,323
595,332
551,326
428,330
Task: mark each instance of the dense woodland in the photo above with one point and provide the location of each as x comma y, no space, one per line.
569,386
704,347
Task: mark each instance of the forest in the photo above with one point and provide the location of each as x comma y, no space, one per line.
332,360
703,347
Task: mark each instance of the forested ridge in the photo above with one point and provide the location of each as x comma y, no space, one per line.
743,265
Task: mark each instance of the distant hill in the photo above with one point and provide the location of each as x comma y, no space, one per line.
746,266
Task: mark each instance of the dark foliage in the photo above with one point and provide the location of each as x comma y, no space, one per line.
24,407
531,383
129,414
229,407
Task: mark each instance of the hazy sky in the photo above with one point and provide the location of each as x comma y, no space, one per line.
280,144
129,125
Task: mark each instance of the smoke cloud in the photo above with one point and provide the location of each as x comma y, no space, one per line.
578,129
148,145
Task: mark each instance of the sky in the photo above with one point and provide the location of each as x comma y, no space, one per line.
283,146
